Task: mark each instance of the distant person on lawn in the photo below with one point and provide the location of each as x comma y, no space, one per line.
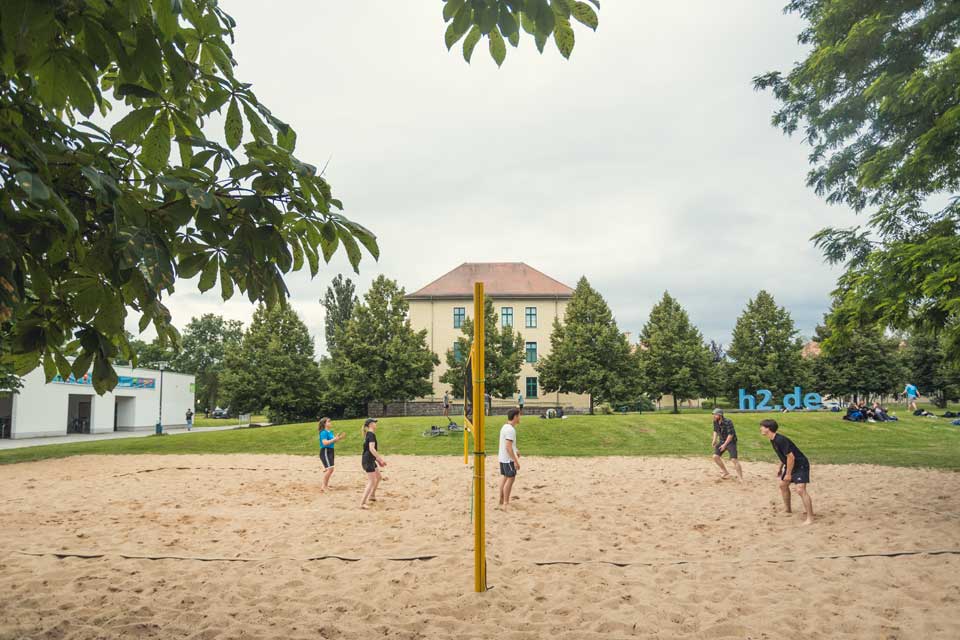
446,405
327,441
725,441
912,394
189,419
508,456
520,400
794,467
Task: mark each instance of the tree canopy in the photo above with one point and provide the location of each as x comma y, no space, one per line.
206,341
379,356
338,303
765,350
588,352
96,223
502,21
273,368
876,99
503,356
673,357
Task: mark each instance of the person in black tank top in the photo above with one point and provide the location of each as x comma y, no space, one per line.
371,461
794,467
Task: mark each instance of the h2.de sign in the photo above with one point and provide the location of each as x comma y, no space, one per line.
791,401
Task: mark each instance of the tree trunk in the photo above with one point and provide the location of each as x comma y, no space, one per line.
591,404
675,409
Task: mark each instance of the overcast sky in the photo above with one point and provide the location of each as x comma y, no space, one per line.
646,162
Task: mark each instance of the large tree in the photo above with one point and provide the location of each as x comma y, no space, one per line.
765,350
930,366
867,365
338,303
98,222
205,342
876,98
588,352
379,356
503,356
273,368
673,357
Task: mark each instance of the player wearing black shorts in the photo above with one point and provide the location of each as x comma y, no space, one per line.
725,441
794,468
371,460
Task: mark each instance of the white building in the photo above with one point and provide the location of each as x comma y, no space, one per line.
60,407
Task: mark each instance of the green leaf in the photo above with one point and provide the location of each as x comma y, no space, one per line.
585,15
226,282
192,264
129,89
353,250
470,43
155,153
451,35
49,366
201,198
540,39
259,130
526,21
508,24
561,8
563,36
208,277
33,186
488,18
233,129
81,365
133,125
328,240
462,20
104,376
287,138
450,9
498,48
63,365
546,20
166,18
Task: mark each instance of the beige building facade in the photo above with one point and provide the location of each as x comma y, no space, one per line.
522,297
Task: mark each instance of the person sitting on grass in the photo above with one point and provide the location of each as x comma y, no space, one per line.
725,440
854,414
794,467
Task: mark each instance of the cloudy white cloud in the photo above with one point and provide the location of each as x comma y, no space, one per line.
646,162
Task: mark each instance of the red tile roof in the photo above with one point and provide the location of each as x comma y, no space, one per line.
500,280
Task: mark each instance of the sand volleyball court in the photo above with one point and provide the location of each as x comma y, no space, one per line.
245,547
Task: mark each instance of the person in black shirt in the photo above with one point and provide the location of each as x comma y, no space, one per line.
371,460
794,467
725,440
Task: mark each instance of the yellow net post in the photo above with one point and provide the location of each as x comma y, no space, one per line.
479,453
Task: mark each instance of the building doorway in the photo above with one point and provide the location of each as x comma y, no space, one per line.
123,413
79,413
6,415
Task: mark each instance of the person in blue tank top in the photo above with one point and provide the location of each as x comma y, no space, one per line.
327,440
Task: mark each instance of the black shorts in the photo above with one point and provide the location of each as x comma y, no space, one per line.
508,469
800,475
732,448
326,457
369,465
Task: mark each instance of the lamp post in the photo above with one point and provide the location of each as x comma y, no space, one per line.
159,429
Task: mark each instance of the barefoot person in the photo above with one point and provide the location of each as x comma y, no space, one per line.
509,456
371,461
725,441
327,440
794,468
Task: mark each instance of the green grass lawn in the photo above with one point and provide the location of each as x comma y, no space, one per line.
223,422
824,437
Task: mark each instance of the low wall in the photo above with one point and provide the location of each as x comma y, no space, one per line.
427,408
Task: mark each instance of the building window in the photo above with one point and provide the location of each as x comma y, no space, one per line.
531,387
457,354
531,352
506,316
459,313
531,318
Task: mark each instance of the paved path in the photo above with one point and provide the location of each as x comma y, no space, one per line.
112,435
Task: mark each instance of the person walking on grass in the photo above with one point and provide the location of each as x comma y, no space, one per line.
509,456
794,468
327,441
725,441
446,406
371,461
912,393
520,400
189,419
